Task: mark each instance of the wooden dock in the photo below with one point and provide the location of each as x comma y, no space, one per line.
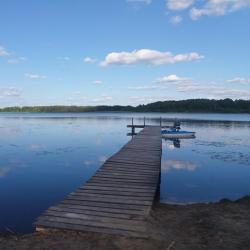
118,198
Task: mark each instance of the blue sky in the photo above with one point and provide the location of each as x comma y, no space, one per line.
123,51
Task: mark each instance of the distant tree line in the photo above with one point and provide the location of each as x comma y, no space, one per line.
191,105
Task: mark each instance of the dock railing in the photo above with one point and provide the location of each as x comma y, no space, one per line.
140,126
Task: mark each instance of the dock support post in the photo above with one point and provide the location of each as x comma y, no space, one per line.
144,122
132,128
160,121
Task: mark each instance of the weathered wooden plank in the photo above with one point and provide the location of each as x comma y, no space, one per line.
72,209
119,184
133,156
137,226
76,227
115,192
130,167
132,161
127,149
126,176
141,158
133,171
93,218
107,196
104,207
136,184
136,173
135,176
147,156
133,166
105,203
113,200
135,146
129,178
118,189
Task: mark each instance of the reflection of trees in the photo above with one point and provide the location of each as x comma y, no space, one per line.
172,143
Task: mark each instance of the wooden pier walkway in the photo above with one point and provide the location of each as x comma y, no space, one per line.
118,198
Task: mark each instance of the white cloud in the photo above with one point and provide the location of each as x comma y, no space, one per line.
213,90
10,92
16,60
143,99
218,8
200,90
77,93
147,56
140,1
240,80
35,76
102,99
207,7
165,82
171,79
89,60
3,51
143,87
176,19
179,4
97,82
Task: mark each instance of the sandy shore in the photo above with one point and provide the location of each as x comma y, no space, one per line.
223,225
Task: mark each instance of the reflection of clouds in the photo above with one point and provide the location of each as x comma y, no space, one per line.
16,163
178,165
210,143
4,171
35,147
11,165
87,163
103,158
98,142
76,129
168,145
9,131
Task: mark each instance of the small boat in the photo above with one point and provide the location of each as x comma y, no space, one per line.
176,133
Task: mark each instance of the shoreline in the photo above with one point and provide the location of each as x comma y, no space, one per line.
221,225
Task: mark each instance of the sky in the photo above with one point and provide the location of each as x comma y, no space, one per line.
123,52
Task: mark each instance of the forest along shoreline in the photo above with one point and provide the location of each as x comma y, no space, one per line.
221,225
186,106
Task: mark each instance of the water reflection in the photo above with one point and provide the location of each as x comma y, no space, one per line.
167,165
36,147
44,157
3,171
213,166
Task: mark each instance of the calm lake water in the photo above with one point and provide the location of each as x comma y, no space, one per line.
44,157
